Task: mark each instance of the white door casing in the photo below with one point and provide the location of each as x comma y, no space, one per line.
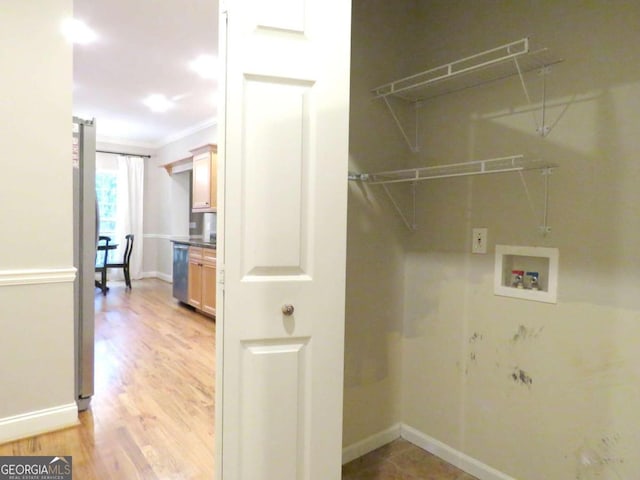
283,147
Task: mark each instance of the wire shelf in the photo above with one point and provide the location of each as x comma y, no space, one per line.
490,65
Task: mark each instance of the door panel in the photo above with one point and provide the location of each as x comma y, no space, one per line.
276,164
284,153
274,385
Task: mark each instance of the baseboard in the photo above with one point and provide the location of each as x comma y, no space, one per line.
165,277
40,421
162,276
370,443
451,455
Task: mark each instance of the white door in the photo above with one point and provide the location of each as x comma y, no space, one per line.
284,146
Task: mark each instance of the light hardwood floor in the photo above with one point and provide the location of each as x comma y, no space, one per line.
152,416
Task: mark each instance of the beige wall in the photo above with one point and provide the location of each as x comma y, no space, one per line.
374,307
36,344
579,416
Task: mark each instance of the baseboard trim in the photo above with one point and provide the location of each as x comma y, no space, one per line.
40,421
37,276
464,462
162,276
370,443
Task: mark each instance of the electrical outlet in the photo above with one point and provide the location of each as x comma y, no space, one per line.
479,240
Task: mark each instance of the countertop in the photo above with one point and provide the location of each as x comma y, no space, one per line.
194,241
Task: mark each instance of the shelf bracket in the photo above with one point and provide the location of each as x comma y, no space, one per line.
544,229
413,146
411,225
542,128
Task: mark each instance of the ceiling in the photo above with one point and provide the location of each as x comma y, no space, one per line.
144,47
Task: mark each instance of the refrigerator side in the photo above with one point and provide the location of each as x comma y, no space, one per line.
85,234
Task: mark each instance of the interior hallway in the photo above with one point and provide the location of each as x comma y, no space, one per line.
152,416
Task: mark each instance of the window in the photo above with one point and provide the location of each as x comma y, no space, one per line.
106,195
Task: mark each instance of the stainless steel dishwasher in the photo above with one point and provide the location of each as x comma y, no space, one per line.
181,272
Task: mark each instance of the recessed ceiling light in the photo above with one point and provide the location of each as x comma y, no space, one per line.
78,32
158,103
205,65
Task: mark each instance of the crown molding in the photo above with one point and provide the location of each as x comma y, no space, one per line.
152,147
125,142
187,131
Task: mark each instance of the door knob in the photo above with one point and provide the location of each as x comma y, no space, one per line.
287,309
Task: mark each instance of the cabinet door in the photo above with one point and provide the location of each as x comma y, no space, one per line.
209,282
213,180
195,277
202,182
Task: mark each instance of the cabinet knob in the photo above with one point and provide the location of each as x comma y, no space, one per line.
287,309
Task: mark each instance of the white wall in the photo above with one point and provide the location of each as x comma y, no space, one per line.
461,344
167,201
36,317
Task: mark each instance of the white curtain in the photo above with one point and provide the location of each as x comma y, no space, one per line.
129,211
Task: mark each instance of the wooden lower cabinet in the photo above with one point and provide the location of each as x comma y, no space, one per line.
202,279
209,281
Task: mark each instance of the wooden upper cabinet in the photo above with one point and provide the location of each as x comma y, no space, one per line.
205,178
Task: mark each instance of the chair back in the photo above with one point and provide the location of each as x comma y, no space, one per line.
102,255
128,248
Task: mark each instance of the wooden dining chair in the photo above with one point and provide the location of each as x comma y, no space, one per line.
102,255
124,265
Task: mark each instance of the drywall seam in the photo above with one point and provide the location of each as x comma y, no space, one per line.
39,421
37,276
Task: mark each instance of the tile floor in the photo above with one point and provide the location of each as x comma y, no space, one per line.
401,460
